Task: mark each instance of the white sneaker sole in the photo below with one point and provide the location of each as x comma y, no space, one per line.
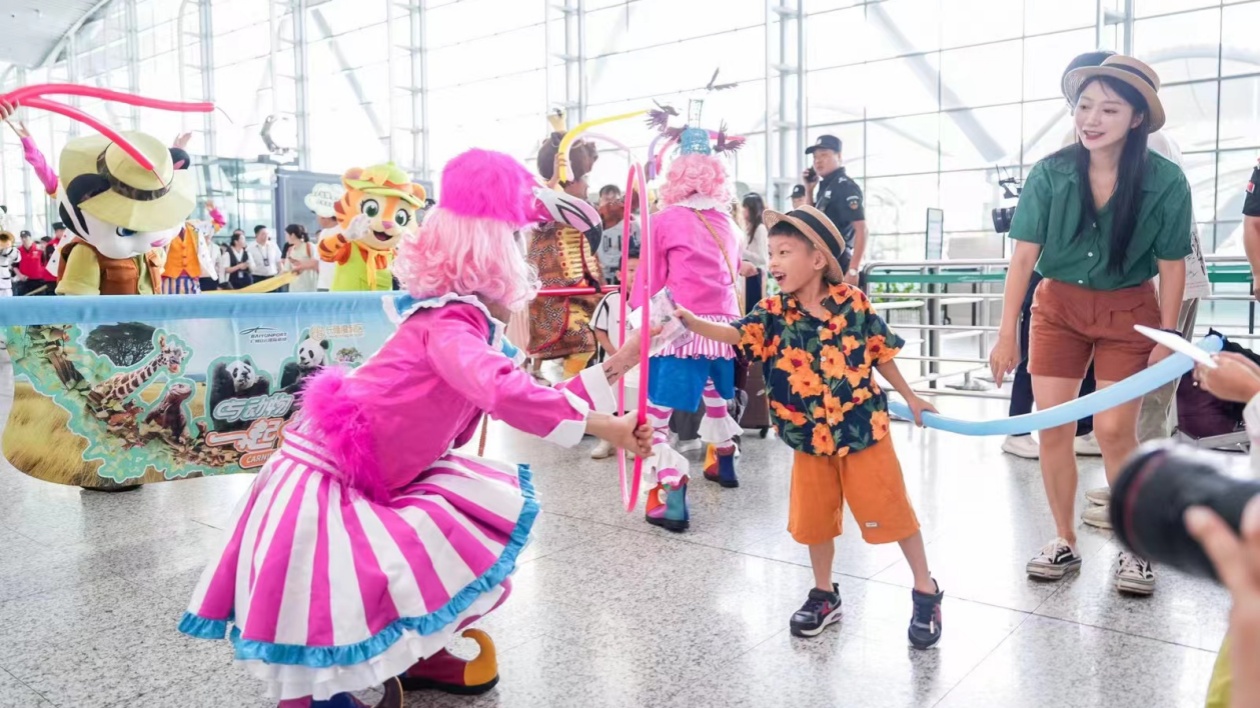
1047,571
829,620
1130,586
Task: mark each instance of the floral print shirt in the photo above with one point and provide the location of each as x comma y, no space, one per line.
820,373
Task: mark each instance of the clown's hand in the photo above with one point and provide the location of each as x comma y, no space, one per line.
359,228
7,110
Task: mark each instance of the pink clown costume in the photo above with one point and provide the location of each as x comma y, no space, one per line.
366,542
695,254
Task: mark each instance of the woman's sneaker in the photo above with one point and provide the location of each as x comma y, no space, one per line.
1099,496
1055,560
1086,446
1097,516
1135,575
925,622
819,611
1021,446
603,450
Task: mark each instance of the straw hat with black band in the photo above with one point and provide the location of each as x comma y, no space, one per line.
137,199
819,230
1129,70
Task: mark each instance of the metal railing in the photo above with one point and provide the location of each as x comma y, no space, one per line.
935,299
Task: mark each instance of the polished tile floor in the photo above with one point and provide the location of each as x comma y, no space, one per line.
611,612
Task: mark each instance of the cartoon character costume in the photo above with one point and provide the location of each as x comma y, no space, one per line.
564,257
381,206
122,215
182,273
367,543
695,254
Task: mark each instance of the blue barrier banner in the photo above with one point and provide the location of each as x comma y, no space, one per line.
118,390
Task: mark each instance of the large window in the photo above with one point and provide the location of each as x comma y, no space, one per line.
934,107
935,100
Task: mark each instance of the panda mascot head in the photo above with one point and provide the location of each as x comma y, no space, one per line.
242,373
312,353
118,207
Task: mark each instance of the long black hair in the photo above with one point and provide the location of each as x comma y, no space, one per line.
298,231
1126,200
756,206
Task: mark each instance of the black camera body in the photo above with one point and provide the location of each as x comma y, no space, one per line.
1150,498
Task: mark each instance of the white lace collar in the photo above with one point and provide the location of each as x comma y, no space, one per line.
701,202
400,307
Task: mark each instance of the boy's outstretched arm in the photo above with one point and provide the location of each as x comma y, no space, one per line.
709,330
917,405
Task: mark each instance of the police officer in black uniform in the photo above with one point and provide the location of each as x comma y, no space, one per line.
799,198
1251,228
839,197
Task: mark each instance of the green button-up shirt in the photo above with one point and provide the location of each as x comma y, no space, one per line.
1050,209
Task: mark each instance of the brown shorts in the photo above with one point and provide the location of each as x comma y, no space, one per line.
1071,324
870,480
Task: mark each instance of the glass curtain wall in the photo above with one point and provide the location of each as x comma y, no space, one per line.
935,100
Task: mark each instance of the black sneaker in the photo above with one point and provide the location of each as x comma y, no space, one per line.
821,609
1055,560
925,622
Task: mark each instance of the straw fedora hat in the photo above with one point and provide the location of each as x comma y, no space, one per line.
137,199
1129,70
820,232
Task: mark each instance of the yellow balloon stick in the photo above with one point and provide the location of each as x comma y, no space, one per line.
572,135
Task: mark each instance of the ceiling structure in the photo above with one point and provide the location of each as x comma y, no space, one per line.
41,25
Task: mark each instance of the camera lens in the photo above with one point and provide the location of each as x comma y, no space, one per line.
1154,490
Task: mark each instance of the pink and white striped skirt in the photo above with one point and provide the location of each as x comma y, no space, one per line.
326,591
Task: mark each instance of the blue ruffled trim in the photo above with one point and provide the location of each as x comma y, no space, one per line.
351,654
203,628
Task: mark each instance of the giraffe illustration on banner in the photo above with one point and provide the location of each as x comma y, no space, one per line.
119,386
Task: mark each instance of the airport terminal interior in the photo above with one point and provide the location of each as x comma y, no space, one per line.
359,435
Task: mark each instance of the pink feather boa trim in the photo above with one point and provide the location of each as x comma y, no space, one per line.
338,422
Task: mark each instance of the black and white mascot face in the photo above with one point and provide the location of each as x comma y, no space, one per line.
144,231
243,374
312,354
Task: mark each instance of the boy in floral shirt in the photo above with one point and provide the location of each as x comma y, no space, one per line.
822,342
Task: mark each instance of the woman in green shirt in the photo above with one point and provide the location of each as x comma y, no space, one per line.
1099,220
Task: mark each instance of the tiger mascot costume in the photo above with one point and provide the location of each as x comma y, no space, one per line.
380,206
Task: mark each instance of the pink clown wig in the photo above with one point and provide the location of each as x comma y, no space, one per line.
469,244
696,174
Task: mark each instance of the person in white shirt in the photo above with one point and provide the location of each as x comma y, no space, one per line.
606,324
10,256
756,256
327,270
208,256
264,255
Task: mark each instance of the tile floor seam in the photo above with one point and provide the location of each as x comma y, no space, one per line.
27,686
986,603
1027,616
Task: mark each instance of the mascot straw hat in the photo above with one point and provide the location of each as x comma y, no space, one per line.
126,194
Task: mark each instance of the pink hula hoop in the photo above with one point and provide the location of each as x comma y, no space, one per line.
635,181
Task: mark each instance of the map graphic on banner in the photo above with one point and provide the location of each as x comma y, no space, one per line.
101,405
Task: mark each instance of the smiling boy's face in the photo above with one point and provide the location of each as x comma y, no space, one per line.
794,262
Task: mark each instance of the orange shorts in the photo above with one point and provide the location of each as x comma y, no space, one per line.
871,482
1072,325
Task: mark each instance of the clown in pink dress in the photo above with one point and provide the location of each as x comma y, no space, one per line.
695,253
367,542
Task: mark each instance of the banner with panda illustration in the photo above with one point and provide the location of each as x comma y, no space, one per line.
186,387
